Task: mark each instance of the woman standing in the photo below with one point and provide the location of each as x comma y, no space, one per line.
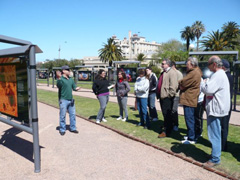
101,90
122,89
141,90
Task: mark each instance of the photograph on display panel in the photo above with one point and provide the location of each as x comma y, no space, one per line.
84,75
131,73
14,88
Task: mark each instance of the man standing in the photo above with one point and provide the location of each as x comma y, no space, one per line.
225,121
190,88
166,91
65,85
217,106
176,99
152,93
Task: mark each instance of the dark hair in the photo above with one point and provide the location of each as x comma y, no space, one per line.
142,72
123,75
149,68
173,63
99,74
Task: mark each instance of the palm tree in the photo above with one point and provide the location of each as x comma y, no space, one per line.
231,30
215,41
110,52
141,57
187,34
198,28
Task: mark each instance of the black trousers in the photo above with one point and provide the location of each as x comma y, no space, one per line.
166,106
198,116
224,129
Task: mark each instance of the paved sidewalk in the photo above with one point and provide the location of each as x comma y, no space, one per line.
94,153
235,116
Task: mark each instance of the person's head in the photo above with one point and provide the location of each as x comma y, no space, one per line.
166,63
141,72
101,74
122,75
214,63
148,70
66,70
192,62
225,65
174,65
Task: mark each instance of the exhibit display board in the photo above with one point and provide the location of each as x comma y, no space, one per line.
14,88
84,75
131,73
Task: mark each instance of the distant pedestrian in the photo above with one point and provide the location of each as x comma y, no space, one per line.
226,119
153,82
217,106
166,91
122,89
189,92
65,86
101,88
176,99
141,89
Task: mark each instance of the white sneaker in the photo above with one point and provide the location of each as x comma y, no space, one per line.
104,120
188,142
97,121
124,119
185,137
155,119
119,118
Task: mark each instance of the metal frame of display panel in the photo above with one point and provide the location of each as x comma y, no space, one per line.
27,50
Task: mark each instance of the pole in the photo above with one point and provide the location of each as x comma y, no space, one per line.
34,112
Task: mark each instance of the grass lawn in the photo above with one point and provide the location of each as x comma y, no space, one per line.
89,107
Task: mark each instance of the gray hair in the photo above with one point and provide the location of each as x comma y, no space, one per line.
168,62
193,61
217,60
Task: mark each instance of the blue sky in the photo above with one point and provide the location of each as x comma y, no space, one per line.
81,27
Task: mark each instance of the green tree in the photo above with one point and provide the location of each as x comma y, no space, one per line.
215,41
75,62
198,28
110,52
187,35
172,45
141,57
231,29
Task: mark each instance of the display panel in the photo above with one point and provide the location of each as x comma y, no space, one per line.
42,74
14,88
84,75
131,73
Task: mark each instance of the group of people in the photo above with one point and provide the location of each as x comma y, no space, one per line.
192,91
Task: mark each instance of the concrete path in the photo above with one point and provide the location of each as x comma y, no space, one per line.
235,116
94,153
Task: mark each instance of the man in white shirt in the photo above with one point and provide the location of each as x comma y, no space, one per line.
217,106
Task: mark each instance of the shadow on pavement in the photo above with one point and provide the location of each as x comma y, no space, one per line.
17,144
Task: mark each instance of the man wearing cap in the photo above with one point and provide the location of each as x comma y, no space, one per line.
225,121
217,106
65,85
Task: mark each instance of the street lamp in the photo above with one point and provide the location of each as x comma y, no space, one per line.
59,50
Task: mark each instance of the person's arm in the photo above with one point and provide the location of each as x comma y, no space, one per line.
173,86
94,88
127,88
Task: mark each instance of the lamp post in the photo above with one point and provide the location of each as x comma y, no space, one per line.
59,50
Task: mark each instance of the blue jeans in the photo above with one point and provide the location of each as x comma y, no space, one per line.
214,135
190,122
103,100
142,108
65,105
151,105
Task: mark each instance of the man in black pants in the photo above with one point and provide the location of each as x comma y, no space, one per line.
225,121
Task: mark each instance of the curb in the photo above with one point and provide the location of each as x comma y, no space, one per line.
223,174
